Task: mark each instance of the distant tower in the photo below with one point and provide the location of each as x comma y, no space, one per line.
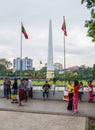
50,67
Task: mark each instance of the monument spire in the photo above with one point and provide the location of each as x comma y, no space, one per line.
50,67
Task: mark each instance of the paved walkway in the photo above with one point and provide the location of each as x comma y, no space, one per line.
48,107
33,121
43,115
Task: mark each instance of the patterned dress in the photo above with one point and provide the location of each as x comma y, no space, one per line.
21,92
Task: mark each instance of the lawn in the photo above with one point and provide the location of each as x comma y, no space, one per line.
59,83
92,124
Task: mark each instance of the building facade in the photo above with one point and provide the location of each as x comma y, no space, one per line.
58,66
24,64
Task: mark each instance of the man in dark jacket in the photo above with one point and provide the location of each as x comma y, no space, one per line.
46,88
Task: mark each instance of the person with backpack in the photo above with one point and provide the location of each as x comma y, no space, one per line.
46,88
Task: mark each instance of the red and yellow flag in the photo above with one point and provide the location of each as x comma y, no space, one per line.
64,27
24,31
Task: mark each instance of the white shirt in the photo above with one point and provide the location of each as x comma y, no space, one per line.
29,84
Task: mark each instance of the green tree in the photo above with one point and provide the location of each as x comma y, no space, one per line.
5,62
89,3
90,24
93,70
2,67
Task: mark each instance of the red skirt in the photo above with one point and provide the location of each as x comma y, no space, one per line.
21,94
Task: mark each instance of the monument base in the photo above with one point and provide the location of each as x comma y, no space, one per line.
50,74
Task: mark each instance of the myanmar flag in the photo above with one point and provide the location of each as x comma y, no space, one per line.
64,27
24,31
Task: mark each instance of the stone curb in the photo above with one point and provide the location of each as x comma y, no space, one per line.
46,112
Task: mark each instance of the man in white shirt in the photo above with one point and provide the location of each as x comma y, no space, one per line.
30,90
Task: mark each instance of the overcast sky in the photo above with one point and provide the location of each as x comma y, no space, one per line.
35,15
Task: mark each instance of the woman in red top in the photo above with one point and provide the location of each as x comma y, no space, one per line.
91,91
75,97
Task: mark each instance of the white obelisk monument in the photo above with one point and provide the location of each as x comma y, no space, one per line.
50,66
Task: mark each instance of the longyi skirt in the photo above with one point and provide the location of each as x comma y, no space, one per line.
21,94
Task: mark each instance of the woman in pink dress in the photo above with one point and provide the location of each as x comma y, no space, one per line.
75,97
90,85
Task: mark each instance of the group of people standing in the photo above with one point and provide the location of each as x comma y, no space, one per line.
75,91
22,89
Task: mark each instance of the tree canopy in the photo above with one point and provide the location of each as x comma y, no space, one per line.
90,24
5,62
89,3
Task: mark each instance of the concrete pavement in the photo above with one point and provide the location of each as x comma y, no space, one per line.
32,121
49,106
43,115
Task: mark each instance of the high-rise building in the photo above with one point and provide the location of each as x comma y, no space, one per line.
24,64
16,64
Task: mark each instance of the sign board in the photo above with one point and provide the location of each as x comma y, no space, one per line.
50,74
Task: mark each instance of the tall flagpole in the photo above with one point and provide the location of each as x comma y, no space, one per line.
64,48
26,37
21,52
65,34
